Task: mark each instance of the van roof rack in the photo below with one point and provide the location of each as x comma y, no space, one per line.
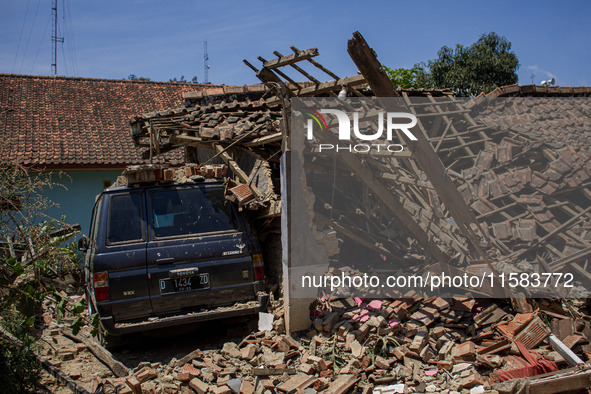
158,173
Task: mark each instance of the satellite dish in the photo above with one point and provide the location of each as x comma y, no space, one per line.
551,81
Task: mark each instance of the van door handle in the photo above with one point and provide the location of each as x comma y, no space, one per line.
165,261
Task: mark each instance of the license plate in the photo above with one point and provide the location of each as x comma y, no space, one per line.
186,283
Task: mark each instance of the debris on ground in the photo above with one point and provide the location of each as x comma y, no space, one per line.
391,345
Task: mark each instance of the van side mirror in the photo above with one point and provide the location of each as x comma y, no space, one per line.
83,244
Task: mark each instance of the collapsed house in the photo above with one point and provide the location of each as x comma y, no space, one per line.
513,177
492,186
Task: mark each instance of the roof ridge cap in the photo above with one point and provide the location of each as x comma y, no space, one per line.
60,77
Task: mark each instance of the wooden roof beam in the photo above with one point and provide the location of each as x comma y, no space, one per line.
291,59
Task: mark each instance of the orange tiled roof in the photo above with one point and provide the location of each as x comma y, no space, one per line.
540,90
82,122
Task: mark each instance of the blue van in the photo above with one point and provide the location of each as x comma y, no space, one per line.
160,255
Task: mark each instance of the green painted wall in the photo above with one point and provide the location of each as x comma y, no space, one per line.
82,188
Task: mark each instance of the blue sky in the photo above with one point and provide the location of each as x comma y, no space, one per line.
164,39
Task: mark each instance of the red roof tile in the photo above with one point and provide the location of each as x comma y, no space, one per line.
80,121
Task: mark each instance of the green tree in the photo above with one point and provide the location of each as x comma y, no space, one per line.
481,67
32,258
468,70
405,78
133,77
182,79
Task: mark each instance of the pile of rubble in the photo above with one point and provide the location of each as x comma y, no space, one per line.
435,344
243,194
363,345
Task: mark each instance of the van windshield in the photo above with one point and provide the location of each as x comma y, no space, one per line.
191,211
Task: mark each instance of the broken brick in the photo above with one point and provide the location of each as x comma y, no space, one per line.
440,304
473,379
75,375
574,339
532,334
362,332
282,344
464,352
221,390
146,374
243,193
230,349
399,352
307,369
296,383
190,370
425,315
80,347
365,363
419,341
199,386
267,384
246,387
66,355
168,174
134,384
381,363
357,350
330,321
342,384
248,352
149,388
183,377
319,385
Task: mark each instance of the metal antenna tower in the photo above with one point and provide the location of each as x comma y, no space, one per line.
55,39
205,63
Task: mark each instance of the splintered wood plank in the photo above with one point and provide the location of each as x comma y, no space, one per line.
464,145
290,59
263,140
581,273
442,136
445,114
100,352
359,236
557,264
405,179
498,210
366,61
281,74
266,76
299,69
557,230
566,380
324,87
316,64
441,112
237,170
